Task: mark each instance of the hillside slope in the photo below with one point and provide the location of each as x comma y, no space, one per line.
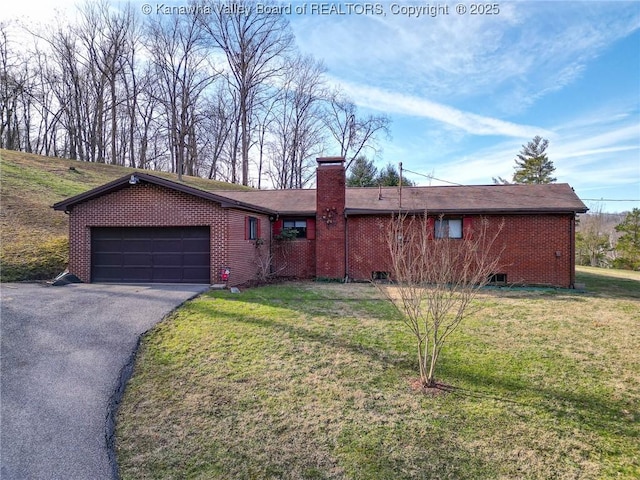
33,237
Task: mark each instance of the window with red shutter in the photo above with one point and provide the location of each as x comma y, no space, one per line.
297,225
251,228
448,228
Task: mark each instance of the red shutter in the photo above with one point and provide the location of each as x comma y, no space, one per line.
277,227
247,228
467,227
258,229
311,229
431,225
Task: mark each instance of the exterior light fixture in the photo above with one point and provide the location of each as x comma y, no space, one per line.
133,180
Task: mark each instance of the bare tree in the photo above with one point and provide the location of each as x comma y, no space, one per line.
353,134
183,74
106,37
297,129
596,237
68,80
11,87
45,107
143,91
436,278
265,119
217,126
19,94
255,45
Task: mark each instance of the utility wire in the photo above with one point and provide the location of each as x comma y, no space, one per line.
431,177
611,199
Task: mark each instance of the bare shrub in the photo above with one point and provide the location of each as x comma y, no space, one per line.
435,280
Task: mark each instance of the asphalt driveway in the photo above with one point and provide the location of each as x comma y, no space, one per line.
63,352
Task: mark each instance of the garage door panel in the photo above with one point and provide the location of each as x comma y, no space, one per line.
136,245
167,273
191,275
113,259
150,254
196,244
108,271
117,273
167,245
138,274
137,259
195,259
168,259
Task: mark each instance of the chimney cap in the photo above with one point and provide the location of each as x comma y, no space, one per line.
330,160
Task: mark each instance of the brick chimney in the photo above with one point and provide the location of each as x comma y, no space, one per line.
330,219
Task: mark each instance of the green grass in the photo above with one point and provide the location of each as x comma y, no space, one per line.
33,237
314,381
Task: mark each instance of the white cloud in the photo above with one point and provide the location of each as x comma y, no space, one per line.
528,51
401,104
606,165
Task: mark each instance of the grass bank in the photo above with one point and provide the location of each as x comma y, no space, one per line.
33,237
313,381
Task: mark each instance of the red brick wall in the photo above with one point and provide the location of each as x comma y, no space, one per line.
244,256
368,247
295,258
537,248
330,221
146,205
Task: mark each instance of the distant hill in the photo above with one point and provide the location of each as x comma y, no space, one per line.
33,237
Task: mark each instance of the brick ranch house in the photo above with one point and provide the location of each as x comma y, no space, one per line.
143,228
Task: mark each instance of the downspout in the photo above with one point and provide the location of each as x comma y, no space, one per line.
346,248
572,262
271,223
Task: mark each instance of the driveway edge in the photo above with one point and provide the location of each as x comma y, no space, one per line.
116,397
114,404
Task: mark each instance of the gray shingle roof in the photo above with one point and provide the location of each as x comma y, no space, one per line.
556,197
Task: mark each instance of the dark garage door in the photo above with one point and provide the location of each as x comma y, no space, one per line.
150,254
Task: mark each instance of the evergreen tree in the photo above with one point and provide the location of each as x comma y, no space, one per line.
363,173
389,177
628,246
532,163
500,181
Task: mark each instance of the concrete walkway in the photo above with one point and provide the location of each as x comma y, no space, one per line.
63,352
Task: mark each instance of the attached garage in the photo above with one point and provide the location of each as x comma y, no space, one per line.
142,228
150,254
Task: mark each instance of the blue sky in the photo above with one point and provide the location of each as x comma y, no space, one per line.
465,92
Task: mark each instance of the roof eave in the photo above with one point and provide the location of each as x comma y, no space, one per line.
457,211
225,202
296,213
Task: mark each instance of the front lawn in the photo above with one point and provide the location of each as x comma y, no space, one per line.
314,381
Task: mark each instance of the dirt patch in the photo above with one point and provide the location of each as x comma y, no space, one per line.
437,390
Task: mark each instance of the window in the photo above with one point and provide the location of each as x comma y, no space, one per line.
380,275
448,228
299,225
498,278
252,228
